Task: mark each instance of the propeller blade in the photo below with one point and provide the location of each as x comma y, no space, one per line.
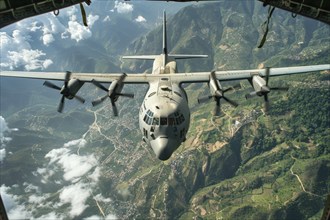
233,103
266,97
267,75
114,108
251,95
99,101
99,85
280,88
51,85
61,105
266,107
229,89
67,78
128,95
80,99
121,79
217,108
204,99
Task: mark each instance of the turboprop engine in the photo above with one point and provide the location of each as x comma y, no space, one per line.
68,90
113,93
217,93
261,88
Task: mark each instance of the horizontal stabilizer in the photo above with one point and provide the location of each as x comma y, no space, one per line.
186,56
141,57
175,56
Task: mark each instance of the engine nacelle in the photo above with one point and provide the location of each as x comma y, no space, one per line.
115,88
259,85
72,88
214,84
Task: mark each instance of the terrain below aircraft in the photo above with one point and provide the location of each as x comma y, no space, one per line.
164,115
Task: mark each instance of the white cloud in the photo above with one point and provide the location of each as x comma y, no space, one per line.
79,142
55,154
47,63
76,195
17,41
77,31
19,212
3,129
140,19
99,197
70,11
34,26
14,210
47,39
20,39
2,154
91,19
95,175
8,199
16,52
51,26
36,199
123,7
27,58
4,139
55,25
73,165
30,188
76,166
107,18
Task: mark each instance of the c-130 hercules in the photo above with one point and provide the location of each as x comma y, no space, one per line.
164,115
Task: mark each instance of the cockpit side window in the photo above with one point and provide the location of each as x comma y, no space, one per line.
163,121
171,121
155,121
148,118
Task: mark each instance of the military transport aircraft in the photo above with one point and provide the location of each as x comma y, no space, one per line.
164,115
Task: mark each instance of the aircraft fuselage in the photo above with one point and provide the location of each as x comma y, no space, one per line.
164,114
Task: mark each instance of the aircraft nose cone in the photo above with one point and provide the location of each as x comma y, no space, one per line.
162,148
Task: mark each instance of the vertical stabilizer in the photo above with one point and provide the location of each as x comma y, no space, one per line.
164,54
164,40
164,34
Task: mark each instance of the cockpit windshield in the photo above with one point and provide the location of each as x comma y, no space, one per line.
174,119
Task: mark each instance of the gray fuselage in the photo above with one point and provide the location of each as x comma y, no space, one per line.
164,114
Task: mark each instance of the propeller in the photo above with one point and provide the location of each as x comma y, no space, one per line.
264,90
65,91
112,93
218,94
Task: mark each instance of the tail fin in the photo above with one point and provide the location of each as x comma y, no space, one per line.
164,34
164,52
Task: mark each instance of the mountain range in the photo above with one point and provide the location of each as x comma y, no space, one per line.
243,164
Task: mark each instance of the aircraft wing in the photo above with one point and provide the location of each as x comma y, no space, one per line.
178,77
83,77
246,74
